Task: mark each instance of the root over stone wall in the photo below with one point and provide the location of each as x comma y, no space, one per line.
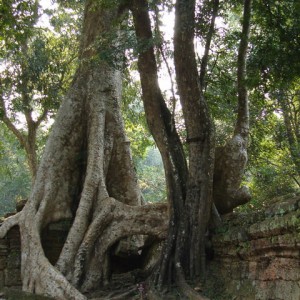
256,255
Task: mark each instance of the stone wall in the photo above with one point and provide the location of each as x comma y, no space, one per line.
53,238
10,259
256,255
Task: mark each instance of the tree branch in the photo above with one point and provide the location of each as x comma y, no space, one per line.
9,124
291,134
204,61
161,50
41,118
159,118
8,224
242,125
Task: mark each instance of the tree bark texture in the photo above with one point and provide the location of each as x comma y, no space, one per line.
86,175
191,205
200,139
162,127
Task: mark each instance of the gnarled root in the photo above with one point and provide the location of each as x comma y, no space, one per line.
185,288
38,275
230,164
181,286
116,221
8,224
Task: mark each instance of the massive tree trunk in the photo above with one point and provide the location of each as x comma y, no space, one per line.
162,127
86,175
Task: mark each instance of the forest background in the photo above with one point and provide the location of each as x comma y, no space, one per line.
33,82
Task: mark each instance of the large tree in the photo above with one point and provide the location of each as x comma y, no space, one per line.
86,173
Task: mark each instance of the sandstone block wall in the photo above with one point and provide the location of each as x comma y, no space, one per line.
257,255
53,238
10,259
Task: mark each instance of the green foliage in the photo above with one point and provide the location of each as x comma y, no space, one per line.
15,179
39,74
37,68
273,71
16,20
151,176
72,4
134,118
271,171
276,37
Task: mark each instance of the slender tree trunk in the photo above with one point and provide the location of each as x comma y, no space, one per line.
162,127
27,141
190,204
30,148
200,138
205,58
